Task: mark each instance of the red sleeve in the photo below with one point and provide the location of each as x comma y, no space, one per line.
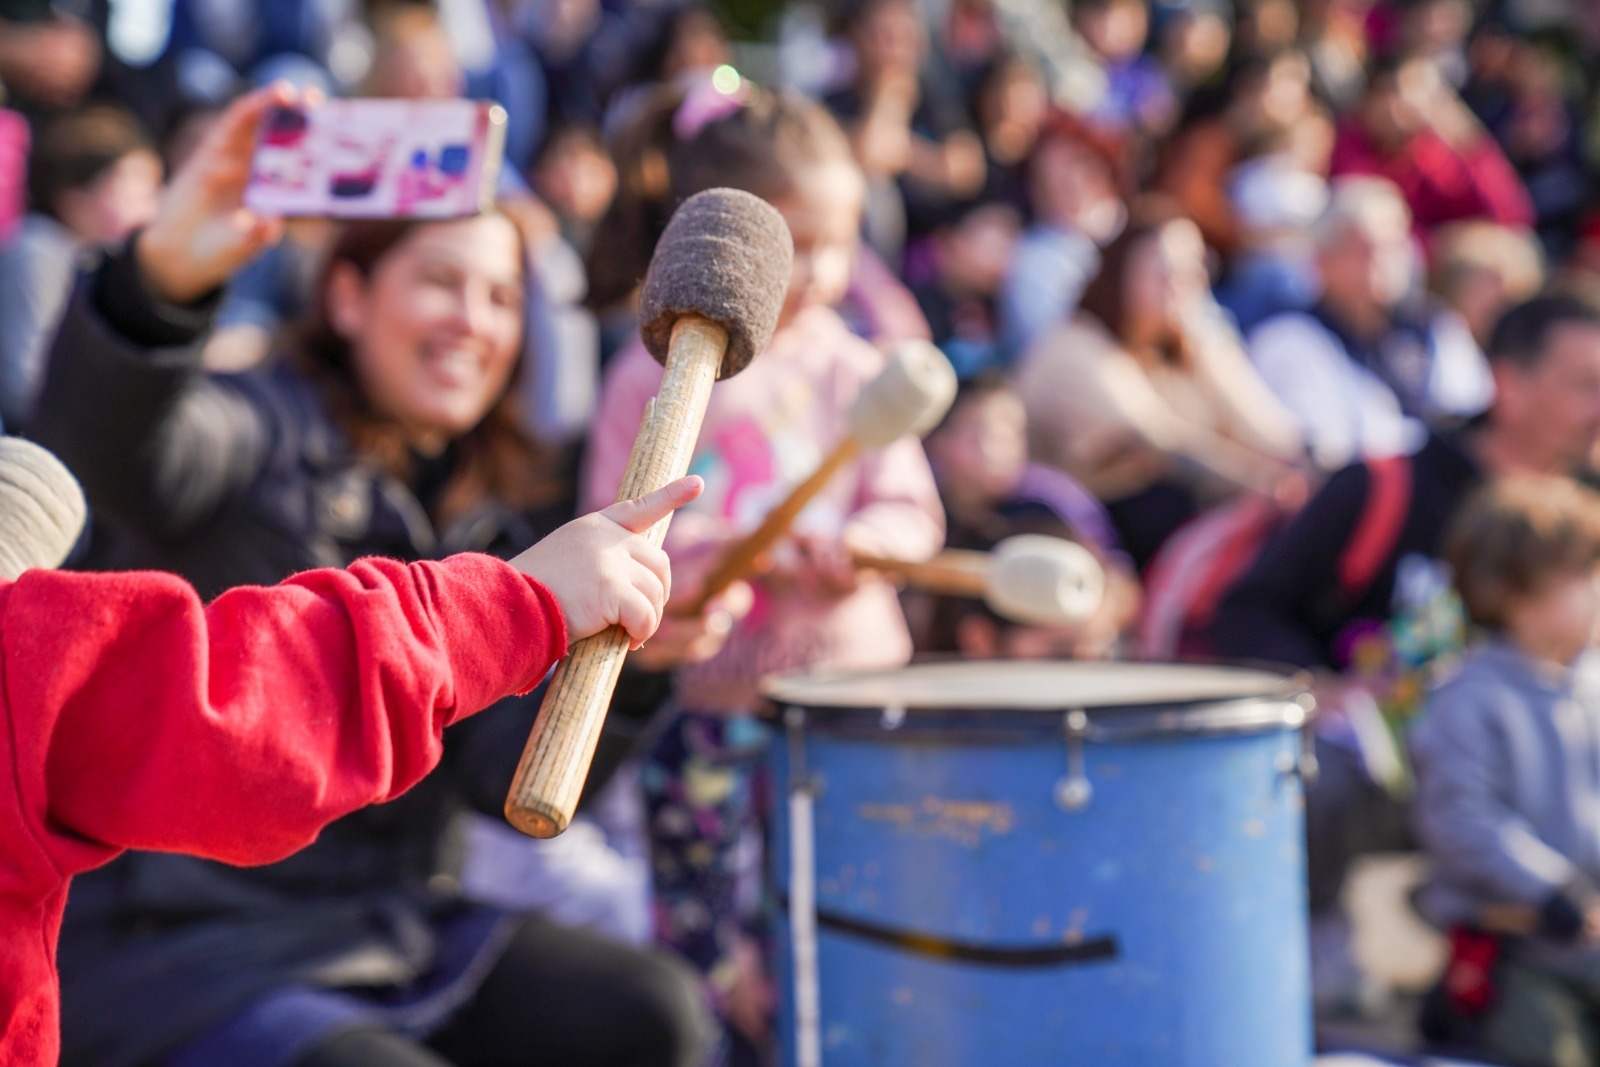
237,730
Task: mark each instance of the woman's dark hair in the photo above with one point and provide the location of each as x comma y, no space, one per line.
758,147
1106,297
494,460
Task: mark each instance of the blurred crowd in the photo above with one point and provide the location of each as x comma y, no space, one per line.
1253,299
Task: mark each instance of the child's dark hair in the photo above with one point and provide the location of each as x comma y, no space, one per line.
1517,534
76,149
758,146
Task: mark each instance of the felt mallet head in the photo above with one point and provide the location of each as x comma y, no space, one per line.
726,256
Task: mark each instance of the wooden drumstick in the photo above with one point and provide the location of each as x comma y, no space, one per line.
910,396
1030,579
710,303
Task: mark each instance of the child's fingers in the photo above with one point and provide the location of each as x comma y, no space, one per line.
650,584
641,513
654,560
637,616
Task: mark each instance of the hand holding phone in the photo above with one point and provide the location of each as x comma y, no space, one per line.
203,233
378,159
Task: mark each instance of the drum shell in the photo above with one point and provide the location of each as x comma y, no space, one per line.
1182,882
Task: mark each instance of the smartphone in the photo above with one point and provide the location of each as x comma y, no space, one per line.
358,159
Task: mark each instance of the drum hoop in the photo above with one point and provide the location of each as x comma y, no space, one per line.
1104,724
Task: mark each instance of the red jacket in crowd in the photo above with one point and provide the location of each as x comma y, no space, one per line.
1440,183
133,716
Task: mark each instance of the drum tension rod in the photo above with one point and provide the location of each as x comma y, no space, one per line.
1074,792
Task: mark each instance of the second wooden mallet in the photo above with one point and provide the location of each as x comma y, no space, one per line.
909,396
710,303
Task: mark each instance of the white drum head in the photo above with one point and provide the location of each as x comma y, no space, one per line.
1029,686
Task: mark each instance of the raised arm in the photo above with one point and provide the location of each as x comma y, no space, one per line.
155,444
144,719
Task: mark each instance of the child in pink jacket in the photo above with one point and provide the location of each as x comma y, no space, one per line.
766,430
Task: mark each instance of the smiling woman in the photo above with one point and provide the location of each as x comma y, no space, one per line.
415,339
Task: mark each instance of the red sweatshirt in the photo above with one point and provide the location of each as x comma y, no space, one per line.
136,717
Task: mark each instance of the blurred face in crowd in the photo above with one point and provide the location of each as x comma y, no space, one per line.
416,63
1116,29
578,178
1558,621
1550,412
115,204
1166,278
1072,186
824,217
890,38
1277,97
981,450
435,331
1397,104
1365,266
698,43
1195,46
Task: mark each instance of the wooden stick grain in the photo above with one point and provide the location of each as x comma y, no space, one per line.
954,572
549,780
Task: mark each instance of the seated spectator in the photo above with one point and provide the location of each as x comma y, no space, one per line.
979,455
910,132
1260,97
1507,758
1276,199
1360,369
1138,100
967,263
1541,129
93,177
1192,41
1146,397
1412,128
1075,184
1352,587
1013,105
48,61
575,176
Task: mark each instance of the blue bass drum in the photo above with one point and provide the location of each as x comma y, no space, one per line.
1042,865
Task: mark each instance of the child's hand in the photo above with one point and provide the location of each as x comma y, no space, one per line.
202,233
603,573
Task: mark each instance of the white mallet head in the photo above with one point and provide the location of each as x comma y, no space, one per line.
910,396
1044,581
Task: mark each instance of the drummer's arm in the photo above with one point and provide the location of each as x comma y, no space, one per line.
1270,613
897,511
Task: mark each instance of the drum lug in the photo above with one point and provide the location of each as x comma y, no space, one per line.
1073,792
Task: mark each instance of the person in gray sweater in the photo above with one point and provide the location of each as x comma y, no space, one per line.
1507,761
